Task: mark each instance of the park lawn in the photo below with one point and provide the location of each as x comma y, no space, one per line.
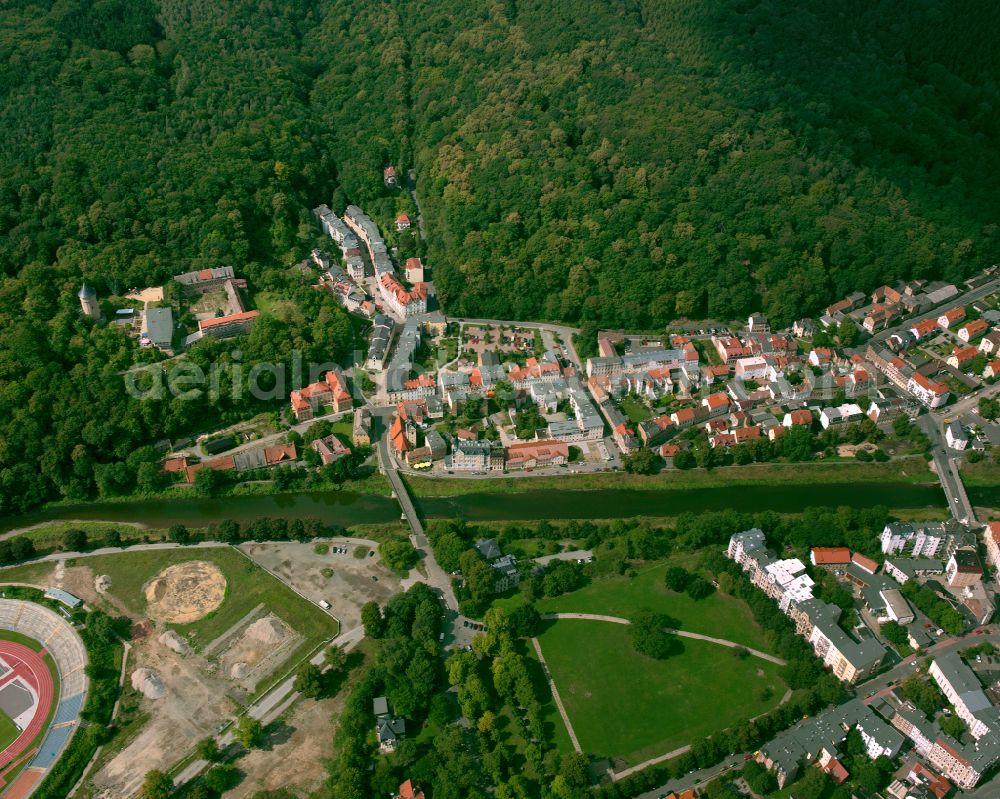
624,705
556,734
902,470
247,585
718,615
8,731
634,409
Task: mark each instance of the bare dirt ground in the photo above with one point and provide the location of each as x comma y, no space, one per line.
151,294
184,592
348,587
193,706
258,658
296,751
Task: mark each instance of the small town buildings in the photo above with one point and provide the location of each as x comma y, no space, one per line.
924,328
803,328
536,454
962,763
157,329
951,317
409,791
202,280
389,728
961,356
404,303
903,569
963,569
754,368
361,428
403,222
236,324
330,449
379,339
757,323
992,539
414,270
990,343
798,418
842,414
821,740
971,330
836,558
931,393
389,177
992,369
478,456
955,436
331,391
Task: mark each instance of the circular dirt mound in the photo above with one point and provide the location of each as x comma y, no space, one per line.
185,592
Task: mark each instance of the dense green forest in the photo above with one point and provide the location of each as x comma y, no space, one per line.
606,163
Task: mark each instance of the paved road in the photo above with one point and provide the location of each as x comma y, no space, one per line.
678,633
947,470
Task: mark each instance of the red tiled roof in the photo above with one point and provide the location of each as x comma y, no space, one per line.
964,354
717,400
831,555
279,454
994,531
685,415
223,464
219,321
178,464
836,770
867,564
204,274
925,326
404,297
974,327
801,417
924,382
953,315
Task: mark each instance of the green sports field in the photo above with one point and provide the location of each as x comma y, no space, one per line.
8,731
625,705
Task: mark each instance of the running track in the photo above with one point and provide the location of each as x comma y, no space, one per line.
29,665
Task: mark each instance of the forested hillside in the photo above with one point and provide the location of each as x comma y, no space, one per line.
618,163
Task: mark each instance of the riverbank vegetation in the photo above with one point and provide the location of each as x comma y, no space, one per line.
902,470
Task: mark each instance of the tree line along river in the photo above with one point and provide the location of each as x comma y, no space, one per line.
346,508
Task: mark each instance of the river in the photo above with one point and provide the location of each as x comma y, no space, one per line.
346,508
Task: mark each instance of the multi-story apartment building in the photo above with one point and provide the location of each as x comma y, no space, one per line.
964,764
817,621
